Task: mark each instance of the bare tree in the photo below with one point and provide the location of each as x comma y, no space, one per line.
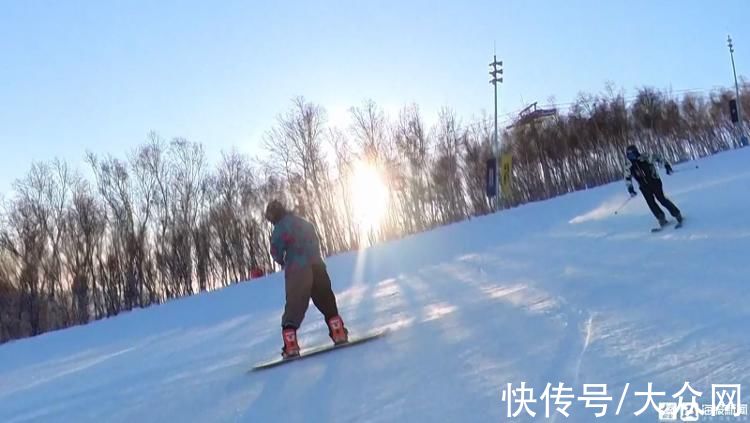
86,226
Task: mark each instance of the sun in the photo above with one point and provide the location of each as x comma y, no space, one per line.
369,197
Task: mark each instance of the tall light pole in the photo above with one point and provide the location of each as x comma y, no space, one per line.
496,72
736,91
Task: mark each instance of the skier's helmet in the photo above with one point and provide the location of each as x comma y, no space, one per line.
632,152
275,211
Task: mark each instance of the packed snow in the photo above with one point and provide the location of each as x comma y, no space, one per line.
559,291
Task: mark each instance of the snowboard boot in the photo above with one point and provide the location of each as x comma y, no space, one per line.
663,222
291,347
336,330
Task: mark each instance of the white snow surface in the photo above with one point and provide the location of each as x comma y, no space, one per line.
556,291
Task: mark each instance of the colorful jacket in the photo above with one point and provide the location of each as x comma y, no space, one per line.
295,242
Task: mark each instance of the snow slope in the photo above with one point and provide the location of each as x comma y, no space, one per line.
556,291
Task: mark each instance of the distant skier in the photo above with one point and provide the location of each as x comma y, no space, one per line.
295,245
642,167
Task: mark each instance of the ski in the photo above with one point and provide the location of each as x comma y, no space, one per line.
661,228
677,225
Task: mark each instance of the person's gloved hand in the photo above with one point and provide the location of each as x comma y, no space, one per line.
668,168
632,192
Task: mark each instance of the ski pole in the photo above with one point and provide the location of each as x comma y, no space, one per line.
623,204
685,169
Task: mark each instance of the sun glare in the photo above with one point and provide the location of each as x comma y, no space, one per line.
370,197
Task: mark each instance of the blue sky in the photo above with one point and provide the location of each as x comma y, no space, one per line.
99,75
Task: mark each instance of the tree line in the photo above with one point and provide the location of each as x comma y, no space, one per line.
161,222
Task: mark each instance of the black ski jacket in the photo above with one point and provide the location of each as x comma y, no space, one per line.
644,171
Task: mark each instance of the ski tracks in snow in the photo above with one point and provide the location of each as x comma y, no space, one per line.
573,348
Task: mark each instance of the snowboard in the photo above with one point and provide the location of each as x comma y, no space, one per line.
316,350
661,228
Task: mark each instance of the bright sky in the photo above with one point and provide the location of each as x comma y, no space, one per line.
99,75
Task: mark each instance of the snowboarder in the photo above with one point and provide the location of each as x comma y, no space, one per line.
295,246
642,167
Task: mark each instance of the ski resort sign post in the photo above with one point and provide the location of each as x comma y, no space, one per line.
504,177
496,72
506,172
491,177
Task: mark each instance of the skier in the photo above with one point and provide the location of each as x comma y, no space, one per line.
296,247
642,167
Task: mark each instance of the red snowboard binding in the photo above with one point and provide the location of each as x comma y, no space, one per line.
336,330
291,347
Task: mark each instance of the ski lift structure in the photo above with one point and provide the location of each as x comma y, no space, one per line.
530,114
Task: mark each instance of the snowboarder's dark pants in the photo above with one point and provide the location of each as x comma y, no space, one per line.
303,283
654,192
